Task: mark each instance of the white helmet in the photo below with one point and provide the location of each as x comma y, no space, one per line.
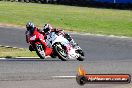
47,28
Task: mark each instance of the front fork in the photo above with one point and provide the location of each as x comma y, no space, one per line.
40,47
48,51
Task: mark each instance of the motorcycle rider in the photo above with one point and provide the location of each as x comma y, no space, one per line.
30,30
48,28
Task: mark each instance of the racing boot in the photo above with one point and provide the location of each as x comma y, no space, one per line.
73,43
68,37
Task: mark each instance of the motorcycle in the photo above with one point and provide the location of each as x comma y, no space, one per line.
37,43
62,48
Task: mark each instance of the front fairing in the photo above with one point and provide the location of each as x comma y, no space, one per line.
35,36
72,53
52,38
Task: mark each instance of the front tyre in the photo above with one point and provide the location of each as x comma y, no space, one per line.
81,55
81,58
60,51
40,51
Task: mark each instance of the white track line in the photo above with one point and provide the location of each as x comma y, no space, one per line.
10,47
26,58
31,57
2,58
63,77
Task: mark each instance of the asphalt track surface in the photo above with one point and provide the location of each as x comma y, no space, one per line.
103,55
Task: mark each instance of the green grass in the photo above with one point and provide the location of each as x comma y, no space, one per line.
10,52
84,19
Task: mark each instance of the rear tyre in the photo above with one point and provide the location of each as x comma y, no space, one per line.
40,51
60,51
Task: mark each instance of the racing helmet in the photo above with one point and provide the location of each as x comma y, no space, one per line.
47,28
30,26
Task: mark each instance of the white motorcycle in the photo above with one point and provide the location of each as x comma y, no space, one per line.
62,47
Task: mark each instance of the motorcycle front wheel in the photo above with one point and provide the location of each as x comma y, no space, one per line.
60,51
81,56
40,51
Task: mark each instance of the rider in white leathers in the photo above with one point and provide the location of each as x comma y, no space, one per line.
48,28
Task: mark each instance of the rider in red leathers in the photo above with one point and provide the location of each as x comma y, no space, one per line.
30,30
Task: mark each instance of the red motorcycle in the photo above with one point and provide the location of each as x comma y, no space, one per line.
38,44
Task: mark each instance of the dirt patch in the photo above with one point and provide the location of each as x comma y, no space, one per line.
10,25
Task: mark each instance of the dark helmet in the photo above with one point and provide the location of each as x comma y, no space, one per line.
47,28
30,26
